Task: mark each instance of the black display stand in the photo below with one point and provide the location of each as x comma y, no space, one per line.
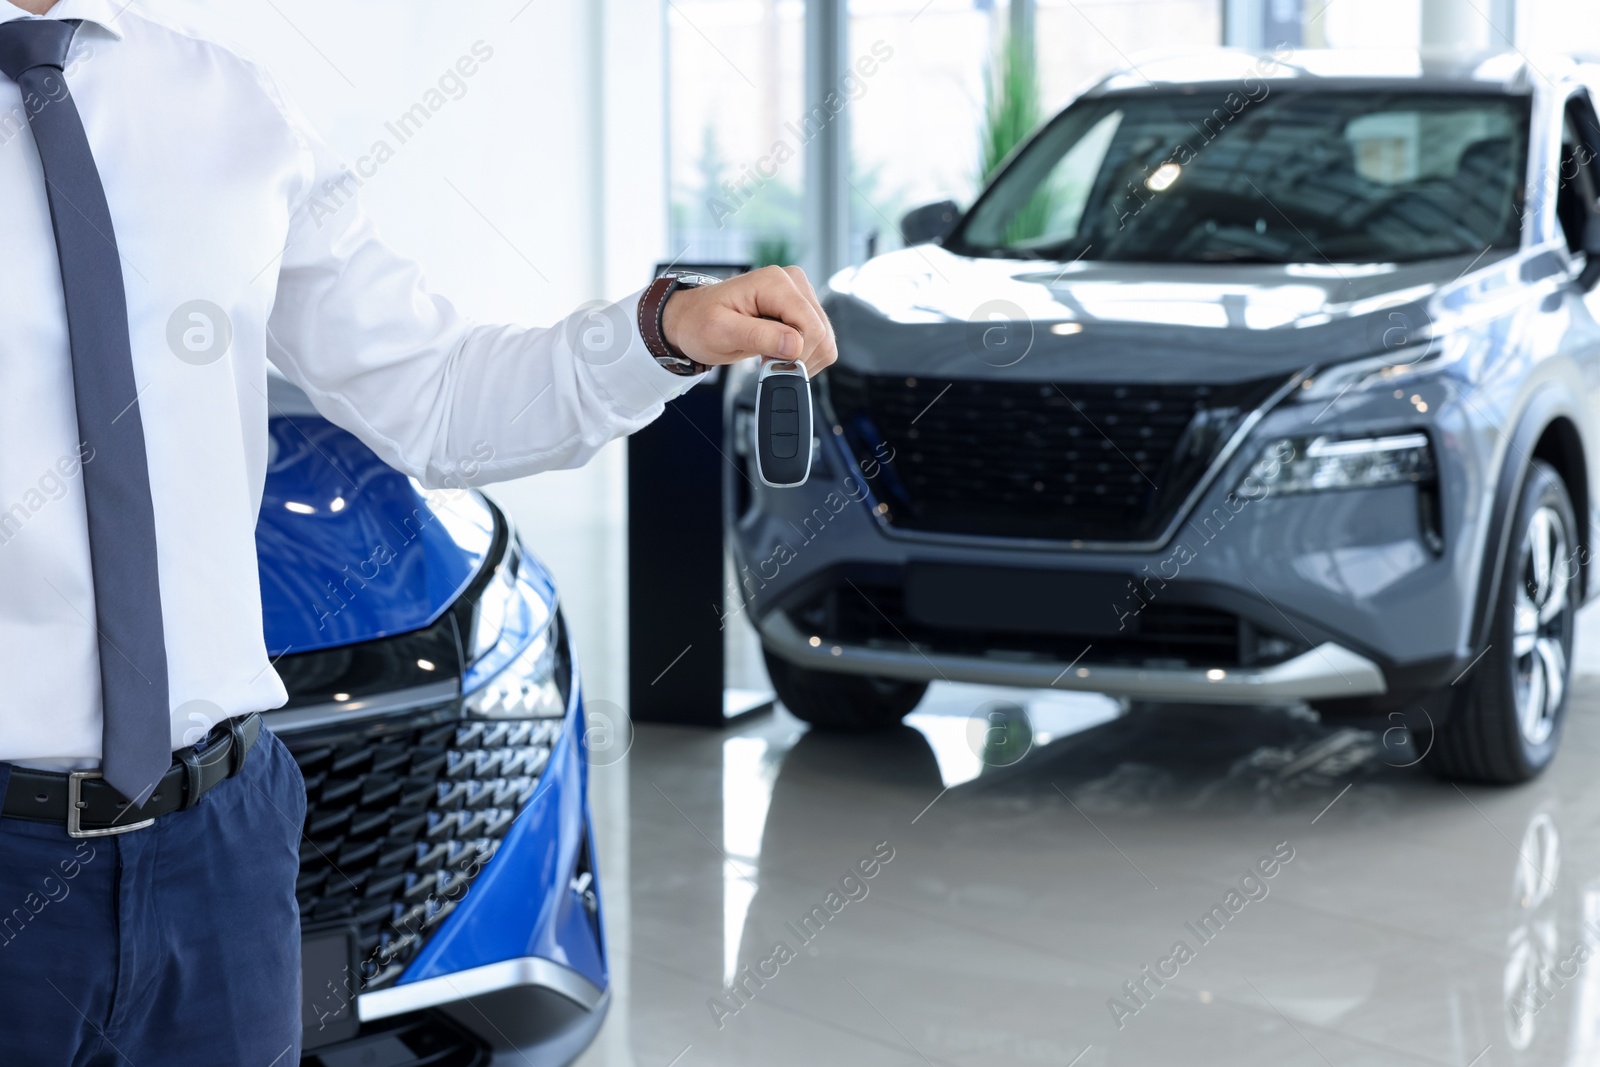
676,585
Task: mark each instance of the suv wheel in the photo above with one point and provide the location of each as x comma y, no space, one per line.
1507,726
845,702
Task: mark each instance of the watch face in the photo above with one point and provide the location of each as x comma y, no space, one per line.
691,278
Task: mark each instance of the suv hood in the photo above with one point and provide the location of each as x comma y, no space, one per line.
926,311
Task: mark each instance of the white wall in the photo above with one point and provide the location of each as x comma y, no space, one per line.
524,144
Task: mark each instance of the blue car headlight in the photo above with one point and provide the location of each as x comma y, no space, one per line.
1317,464
519,666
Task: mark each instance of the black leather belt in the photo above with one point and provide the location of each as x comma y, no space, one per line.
88,807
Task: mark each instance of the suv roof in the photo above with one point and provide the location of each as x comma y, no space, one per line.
1428,68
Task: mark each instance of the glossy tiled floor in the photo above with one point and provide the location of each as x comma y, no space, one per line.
1028,900
1405,921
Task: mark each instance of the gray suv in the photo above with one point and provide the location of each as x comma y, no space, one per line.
1247,380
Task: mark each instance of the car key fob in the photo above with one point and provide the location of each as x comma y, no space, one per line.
783,423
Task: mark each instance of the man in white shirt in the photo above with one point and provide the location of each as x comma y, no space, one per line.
128,146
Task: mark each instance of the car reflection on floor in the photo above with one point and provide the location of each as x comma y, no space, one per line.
1037,863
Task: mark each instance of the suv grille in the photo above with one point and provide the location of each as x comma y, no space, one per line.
1167,633
401,817
1056,461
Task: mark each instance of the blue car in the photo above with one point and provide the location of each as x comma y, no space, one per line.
447,866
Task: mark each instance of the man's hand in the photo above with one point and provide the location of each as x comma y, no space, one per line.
768,312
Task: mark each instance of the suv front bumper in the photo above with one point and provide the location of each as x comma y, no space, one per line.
1327,671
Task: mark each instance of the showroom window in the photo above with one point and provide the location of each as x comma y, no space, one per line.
737,129
921,127
914,126
919,77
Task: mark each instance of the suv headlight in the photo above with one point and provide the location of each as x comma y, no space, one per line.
1310,465
1424,355
519,665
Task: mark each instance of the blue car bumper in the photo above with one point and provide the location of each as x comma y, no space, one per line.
531,918
436,712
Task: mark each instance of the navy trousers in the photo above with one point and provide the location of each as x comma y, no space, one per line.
177,945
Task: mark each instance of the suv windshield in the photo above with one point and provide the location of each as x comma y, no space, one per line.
1292,176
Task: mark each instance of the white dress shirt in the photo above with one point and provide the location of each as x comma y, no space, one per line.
219,192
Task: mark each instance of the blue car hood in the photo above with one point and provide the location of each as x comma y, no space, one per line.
349,548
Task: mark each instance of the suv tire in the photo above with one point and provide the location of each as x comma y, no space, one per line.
1505,726
853,703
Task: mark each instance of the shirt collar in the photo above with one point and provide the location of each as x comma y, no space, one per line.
102,13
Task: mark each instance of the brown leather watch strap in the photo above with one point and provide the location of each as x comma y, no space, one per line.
650,308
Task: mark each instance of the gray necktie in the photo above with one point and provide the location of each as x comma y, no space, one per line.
136,735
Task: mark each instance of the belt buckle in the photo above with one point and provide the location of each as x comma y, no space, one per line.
75,828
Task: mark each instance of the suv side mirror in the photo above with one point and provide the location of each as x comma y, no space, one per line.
1591,251
931,223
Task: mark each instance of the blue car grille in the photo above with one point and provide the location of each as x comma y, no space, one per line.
1059,461
402,815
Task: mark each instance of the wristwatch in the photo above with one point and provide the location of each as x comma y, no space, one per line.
650,308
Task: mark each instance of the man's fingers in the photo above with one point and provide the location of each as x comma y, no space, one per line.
802,283
741,335
826,350
779,298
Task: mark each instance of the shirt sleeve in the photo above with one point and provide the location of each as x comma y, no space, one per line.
443,399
